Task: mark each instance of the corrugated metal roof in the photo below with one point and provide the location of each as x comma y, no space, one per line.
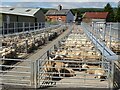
58,12
19,11
96,15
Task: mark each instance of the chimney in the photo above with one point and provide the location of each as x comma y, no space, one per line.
59,7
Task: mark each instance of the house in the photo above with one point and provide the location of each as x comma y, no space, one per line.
60,15
17,18
90,17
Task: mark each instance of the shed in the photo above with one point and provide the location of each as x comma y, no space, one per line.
95,17
15,17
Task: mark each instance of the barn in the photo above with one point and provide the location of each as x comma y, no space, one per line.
60,15
90,17
15,18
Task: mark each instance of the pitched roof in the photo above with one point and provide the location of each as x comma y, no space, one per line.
57,12
19,11
96,15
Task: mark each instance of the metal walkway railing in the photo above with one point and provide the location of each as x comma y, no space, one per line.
109,54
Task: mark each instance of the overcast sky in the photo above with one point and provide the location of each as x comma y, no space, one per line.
54,3
60,0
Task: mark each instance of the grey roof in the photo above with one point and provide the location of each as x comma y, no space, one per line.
19,11
58,12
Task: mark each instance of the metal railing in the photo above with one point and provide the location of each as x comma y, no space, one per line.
81,79
22,71
13,72
34,74
15,27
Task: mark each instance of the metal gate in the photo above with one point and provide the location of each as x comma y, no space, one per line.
16,72
70,73
75,68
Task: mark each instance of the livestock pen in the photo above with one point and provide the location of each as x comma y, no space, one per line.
71,61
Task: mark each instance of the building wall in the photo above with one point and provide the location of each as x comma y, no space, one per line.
25,19
70,17
12,18
16,22
98,20
56,18
87,20
40,17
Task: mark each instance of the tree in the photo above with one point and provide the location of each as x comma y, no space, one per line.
110,11
117,16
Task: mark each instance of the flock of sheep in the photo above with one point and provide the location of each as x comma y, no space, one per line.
18,46
73,54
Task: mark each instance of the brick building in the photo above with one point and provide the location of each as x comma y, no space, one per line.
63,15
95,17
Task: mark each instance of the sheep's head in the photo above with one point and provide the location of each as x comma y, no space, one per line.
85,66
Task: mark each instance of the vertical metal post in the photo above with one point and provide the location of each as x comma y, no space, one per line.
93,29
36,73
41,25
7,29
103,55
23,26
38,25
34,26
109,81
96,37
17,27
112,74
14,27
110,35
104,32
103,44
29,26
3,29
32,74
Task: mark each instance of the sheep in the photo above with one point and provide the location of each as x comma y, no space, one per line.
60,67
98,72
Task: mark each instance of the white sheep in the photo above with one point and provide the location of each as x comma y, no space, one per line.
98,72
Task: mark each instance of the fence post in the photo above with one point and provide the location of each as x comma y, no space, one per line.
112,74
23,26
110,35
14,27
32,74
3,28
38,25
29,26
36,74
34,26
